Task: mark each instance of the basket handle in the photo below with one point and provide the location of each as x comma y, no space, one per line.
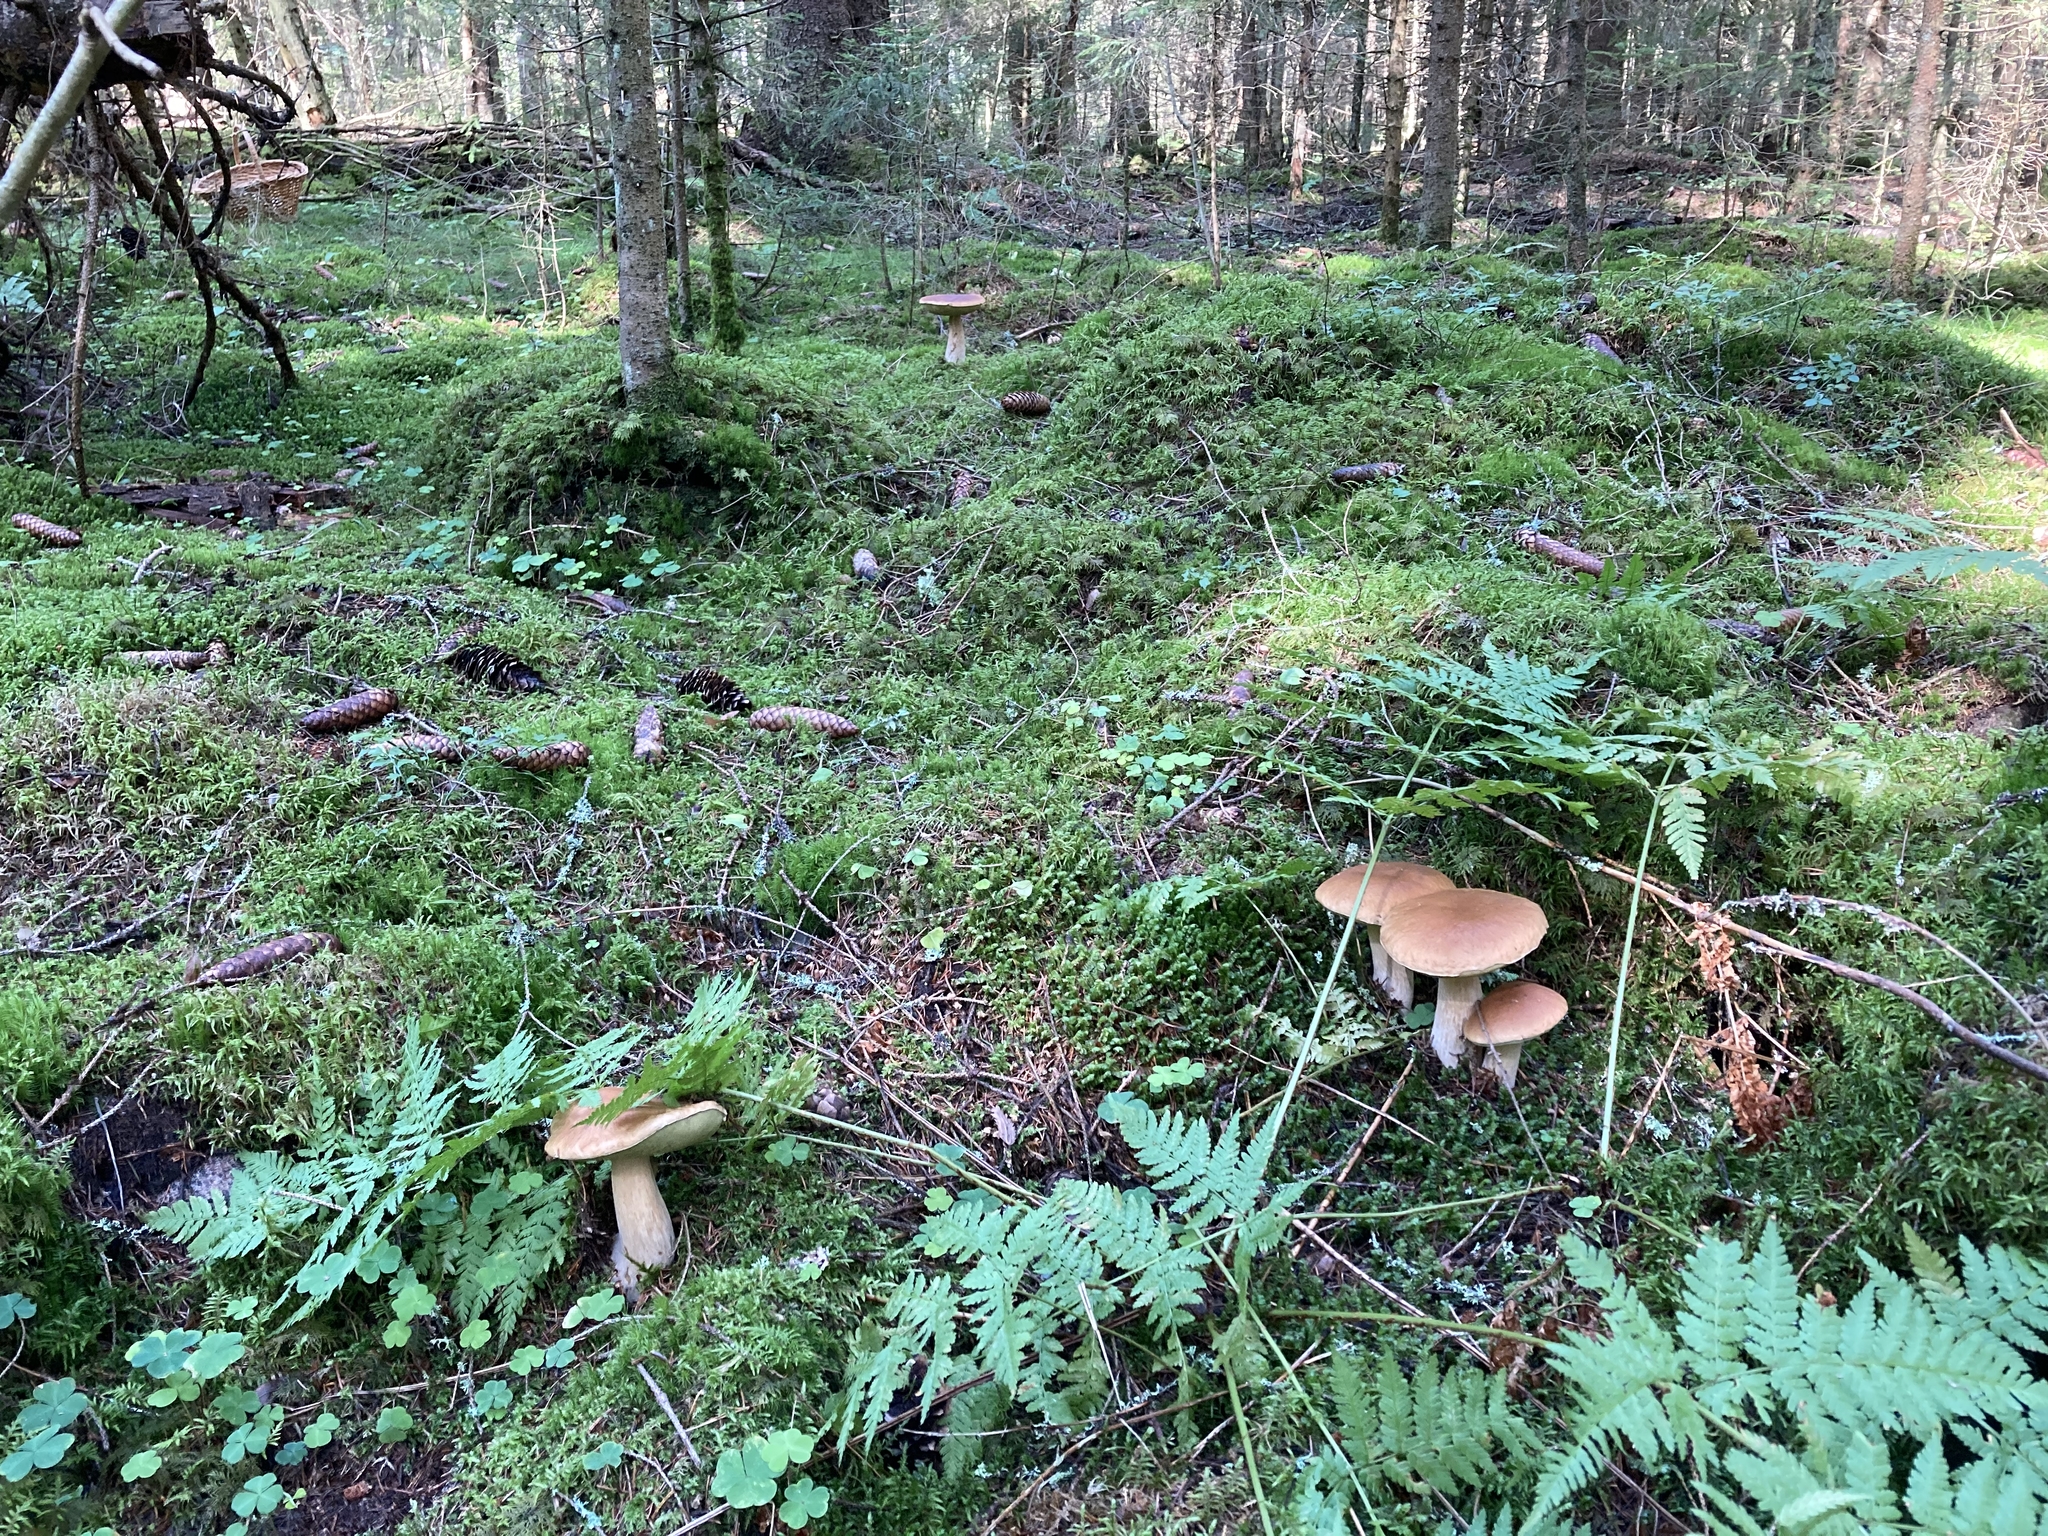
247,139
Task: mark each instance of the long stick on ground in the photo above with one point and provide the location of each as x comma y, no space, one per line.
59,109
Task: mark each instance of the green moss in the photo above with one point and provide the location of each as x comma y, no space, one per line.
1661,649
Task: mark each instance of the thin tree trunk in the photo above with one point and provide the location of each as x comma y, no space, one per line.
297,45
1440,103
531,70
1478,76
1304,73
238,36
1219,16
1396,99
645,355
1919,155
485,100
1251,89
1577,251
679,155
1358,73
589,124
728,330
81,327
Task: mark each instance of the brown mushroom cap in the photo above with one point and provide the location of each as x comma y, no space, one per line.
952,303
1519,1011
1393,882
653,1130
1462,932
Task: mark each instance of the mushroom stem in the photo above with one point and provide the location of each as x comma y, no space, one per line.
1456,997
956,338
1382,967
1504,1059
647,1238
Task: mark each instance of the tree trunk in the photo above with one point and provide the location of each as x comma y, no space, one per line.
1919,158
1017,75
1304,76
1059,121
679,157
1396,99
1358,73
485,99
532,74
728,331
1440,103
1478,77
645,358
297,46
238,36
1251,89
1577,250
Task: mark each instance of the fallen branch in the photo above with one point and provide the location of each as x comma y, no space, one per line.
87,56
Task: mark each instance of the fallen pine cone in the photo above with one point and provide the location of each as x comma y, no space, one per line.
254,962
1359,474
548,759
865,566
721,695
1598,344
176,661
47,531
442,749
1026,402
648,746
218,654
604,602
784,717
964,487
358,709
1558,552
495,668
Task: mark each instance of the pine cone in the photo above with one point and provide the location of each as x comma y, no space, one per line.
495,668
49,532
177,661
218,654
358,709
1558,552
1026,402
865,566
254,962
548,759
442,749
1359,474
648,746
963,487
721,695
784,717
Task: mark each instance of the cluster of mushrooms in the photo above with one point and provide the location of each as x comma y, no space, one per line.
1418,922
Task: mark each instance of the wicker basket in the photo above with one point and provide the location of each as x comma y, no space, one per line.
266,188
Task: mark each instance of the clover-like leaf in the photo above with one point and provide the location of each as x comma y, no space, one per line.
397,1335
393,1424
44,1449
53,1405
605,1457
321,1431
161,1353
380,1261
802,1502
414,1301
475,1336
236,1404
290,1454
142,1464
214,1354
787,1150
784,1449
322,1277
492,1399
15,1308
595,1308
181,1388
524,1359
261,1495
560,1355
743,1479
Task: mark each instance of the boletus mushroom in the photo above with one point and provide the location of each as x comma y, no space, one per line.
647,1237
954,308
1458,936
1393,882
1508,1018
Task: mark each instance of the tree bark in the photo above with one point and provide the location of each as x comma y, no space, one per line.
1919,156
679,156
532,74
1577,251
1251,90
638,235
728,330
1440,104
1060,123
1304,99
238,36
1478,76
82,325
1396,99
297,46
62,105
483,99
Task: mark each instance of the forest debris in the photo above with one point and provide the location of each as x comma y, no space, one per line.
171,661
719,693
1558,552
548,759
1760,1114
495,667
1360,474
648,746
865,566
965,488
603,602
257,960
1026,402
2021,451
1598,344
227,497
442,749
358,709
783,717
55,534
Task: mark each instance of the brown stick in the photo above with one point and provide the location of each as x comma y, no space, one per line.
1379,1118
82,327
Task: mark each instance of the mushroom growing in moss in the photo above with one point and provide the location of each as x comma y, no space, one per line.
647,1237
1508,1018
954,308
1393,882
1458,936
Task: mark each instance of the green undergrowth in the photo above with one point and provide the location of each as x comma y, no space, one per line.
1002,895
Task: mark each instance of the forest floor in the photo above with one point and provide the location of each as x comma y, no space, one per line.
1127,690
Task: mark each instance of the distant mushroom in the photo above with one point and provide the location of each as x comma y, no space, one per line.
1393,882
1508,1018
647,1237
954,308
1458,936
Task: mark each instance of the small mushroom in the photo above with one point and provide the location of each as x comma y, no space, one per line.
1393,882
647,1238
954,308
1458,936
1507,1018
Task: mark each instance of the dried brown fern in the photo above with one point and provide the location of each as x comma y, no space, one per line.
46,531
785,717
549,759
271,952
351,713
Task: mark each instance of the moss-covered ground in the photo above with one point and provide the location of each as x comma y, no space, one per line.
1021,885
